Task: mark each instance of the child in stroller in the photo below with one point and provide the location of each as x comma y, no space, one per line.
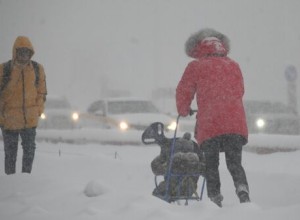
187,164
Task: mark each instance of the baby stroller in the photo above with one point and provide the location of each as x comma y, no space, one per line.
180,163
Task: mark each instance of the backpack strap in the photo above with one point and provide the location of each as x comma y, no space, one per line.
6,75
37,72
7,68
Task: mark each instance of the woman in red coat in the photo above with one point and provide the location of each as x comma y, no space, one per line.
217,82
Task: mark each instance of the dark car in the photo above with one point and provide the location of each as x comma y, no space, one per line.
271,118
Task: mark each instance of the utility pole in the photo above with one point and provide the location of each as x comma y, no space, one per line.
291,77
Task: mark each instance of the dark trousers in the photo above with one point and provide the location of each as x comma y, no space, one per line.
232,146
11,138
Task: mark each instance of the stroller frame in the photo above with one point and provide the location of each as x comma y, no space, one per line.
193,196
154,136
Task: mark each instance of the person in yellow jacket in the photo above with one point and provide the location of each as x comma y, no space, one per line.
22,96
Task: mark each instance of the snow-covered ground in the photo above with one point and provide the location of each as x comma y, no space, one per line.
97,181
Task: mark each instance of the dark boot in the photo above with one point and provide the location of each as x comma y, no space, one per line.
217,200
244,197
242,192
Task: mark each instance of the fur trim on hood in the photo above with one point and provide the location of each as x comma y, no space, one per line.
196,38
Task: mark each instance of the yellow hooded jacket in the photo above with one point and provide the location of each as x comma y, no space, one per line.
21,101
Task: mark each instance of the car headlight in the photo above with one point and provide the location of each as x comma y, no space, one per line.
260,123
172,126
75,116
123,125
43,116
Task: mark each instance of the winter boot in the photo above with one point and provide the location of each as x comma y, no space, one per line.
217,200
242,192
244,197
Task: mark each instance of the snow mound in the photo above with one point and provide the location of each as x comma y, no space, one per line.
95,188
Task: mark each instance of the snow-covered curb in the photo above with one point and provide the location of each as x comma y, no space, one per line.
262,143
258,143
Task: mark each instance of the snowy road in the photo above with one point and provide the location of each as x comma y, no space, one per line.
259,143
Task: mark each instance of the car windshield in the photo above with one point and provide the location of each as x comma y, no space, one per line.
266,107
123,107
57,104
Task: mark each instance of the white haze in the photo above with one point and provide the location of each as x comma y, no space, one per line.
138,45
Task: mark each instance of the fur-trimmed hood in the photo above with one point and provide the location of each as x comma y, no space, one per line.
193,44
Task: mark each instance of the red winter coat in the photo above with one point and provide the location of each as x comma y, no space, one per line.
218,84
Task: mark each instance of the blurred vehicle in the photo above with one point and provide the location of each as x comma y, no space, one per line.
126,113
271,118
58,114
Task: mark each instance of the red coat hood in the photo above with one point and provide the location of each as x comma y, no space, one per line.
207,42
209,46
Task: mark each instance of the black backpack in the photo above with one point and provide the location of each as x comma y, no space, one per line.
7,73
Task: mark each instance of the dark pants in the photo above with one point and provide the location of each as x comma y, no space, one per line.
232,146
10,138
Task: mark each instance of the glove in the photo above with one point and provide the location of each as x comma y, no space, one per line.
192,112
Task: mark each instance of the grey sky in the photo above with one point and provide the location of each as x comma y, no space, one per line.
138,45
